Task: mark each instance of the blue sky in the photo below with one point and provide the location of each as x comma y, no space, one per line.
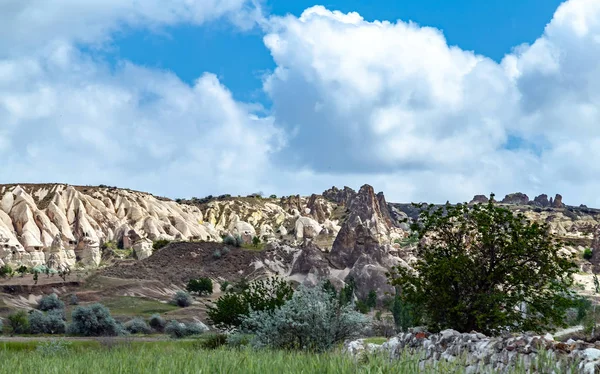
194,97
239,58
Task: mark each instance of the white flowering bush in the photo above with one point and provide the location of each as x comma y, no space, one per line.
312,320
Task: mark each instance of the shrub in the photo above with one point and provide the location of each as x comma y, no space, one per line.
256,241
22,270
157,323
214,341
311,320
18,323
51,322
93,320
587,254
486,269
405,314
50,302
1,327
371,301
238,340
217,254
74,300
224,285
258,295
5,271
235,241
137,326
161,243
182,299
179,330
201,286
53,347
273,196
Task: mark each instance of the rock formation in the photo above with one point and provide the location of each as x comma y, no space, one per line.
479,199
517,198
342,197
541,201
557,203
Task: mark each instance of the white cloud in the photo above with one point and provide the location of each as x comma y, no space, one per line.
392,101
390,104
29,24
68,118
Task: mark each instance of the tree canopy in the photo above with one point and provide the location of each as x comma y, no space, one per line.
486,269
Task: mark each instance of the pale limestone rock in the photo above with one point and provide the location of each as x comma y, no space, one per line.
307,228
142,248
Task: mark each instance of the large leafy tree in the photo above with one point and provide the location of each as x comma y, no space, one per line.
484,268
266,294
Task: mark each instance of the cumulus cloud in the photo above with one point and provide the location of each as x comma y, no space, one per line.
395,100
68,118
353,102
29,24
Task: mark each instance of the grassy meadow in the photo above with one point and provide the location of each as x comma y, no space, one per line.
120,356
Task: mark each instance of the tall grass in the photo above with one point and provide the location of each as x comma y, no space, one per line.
188,357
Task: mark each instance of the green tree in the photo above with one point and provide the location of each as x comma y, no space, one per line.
259,295
347,293
18,323
256,241
201,286
371,301
483,268
22,270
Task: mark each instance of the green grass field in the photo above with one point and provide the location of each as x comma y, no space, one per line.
187,356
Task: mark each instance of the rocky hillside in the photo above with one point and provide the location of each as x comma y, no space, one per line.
336,234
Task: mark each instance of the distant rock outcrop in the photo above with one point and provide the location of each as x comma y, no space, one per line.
557,203
342,197
541,201
517,198
479,199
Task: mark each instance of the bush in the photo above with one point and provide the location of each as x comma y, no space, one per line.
137,326
22,270
486,269
182,299
587,254
93,320
18,323
50,302
217,254
214,341
74,300
5,271
53,347
256,241
157,323
405,314
179,330
201,286
235,241
161,243
1,327
259,295
311,320
51,322
238,340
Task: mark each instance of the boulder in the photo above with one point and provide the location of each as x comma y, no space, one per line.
142,248
311,261
307,228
